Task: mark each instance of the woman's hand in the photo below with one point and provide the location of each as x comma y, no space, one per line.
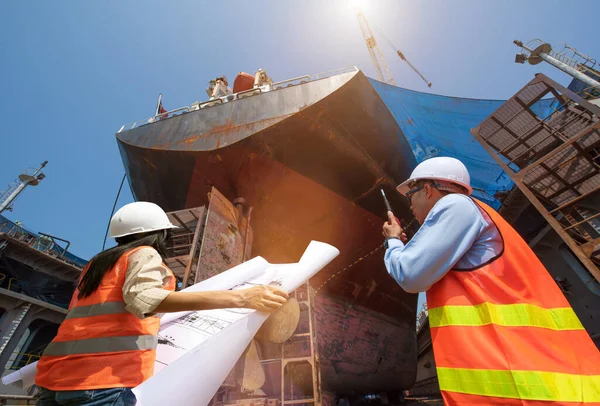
262,298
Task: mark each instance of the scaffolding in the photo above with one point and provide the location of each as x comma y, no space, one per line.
299,355
183,247
554,161
197,251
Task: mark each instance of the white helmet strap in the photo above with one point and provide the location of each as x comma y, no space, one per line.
450,187
446,186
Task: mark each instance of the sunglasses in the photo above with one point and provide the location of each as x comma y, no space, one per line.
415,190
412,192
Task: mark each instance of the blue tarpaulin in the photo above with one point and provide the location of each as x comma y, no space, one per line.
437,125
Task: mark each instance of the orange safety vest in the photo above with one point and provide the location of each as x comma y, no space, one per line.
504,334
101,345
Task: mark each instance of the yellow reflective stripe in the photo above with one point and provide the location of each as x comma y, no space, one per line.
101,345
529,385
514,315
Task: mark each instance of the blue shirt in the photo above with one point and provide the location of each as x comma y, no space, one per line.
455,234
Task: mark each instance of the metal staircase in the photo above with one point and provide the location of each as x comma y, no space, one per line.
15,325
554,161
291,362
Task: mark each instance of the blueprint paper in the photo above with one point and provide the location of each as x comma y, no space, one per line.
223,281
22,378
181,335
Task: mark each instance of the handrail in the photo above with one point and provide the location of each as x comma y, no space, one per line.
254,89
42,243
334,72
10,280
24,361
307,77
224,99
53,238
153,118
215,100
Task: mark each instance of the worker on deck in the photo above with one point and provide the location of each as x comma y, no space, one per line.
107,343
502,331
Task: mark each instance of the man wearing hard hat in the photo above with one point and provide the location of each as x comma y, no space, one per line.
502,331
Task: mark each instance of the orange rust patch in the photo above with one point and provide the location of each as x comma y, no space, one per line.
149,162
225,129
191,139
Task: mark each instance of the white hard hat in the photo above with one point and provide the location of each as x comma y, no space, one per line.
440,168
138,217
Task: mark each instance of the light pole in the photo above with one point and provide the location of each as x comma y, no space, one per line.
570,65
26,180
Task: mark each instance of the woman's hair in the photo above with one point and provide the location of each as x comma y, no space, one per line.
105,260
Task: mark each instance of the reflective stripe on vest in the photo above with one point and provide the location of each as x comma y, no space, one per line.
96,310
504,331
529,385
514,315
101,345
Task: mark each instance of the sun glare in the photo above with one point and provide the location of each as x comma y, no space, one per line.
358,4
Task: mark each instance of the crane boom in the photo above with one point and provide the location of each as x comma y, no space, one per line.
401,55
383,72
381,67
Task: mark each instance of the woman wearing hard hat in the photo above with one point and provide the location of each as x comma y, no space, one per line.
107,343
502,331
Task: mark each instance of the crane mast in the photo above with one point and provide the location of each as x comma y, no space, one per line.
383,72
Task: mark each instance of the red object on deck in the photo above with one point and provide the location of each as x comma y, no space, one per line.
243,81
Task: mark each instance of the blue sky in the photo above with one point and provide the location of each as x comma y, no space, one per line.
73,72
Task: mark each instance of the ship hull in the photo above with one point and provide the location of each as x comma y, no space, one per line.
310,160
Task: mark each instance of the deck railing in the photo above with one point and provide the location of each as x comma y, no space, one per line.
236,96
42,243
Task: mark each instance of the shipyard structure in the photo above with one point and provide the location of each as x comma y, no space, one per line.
264,167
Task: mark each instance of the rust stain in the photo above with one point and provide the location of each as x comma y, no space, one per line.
191,139
357,290
149,162
221,243
372,287
228,127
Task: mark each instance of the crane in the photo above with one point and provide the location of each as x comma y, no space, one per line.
383,72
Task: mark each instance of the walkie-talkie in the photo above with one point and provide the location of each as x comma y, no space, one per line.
389,208
385,201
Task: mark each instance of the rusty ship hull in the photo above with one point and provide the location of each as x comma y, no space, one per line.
309,159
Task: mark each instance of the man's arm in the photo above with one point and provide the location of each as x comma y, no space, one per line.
448,232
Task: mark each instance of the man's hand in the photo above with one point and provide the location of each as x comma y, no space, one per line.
392,228
262,298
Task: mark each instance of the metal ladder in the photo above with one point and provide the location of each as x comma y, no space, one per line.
7,192
15,325
305,296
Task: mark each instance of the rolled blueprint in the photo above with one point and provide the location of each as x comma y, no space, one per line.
199,350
